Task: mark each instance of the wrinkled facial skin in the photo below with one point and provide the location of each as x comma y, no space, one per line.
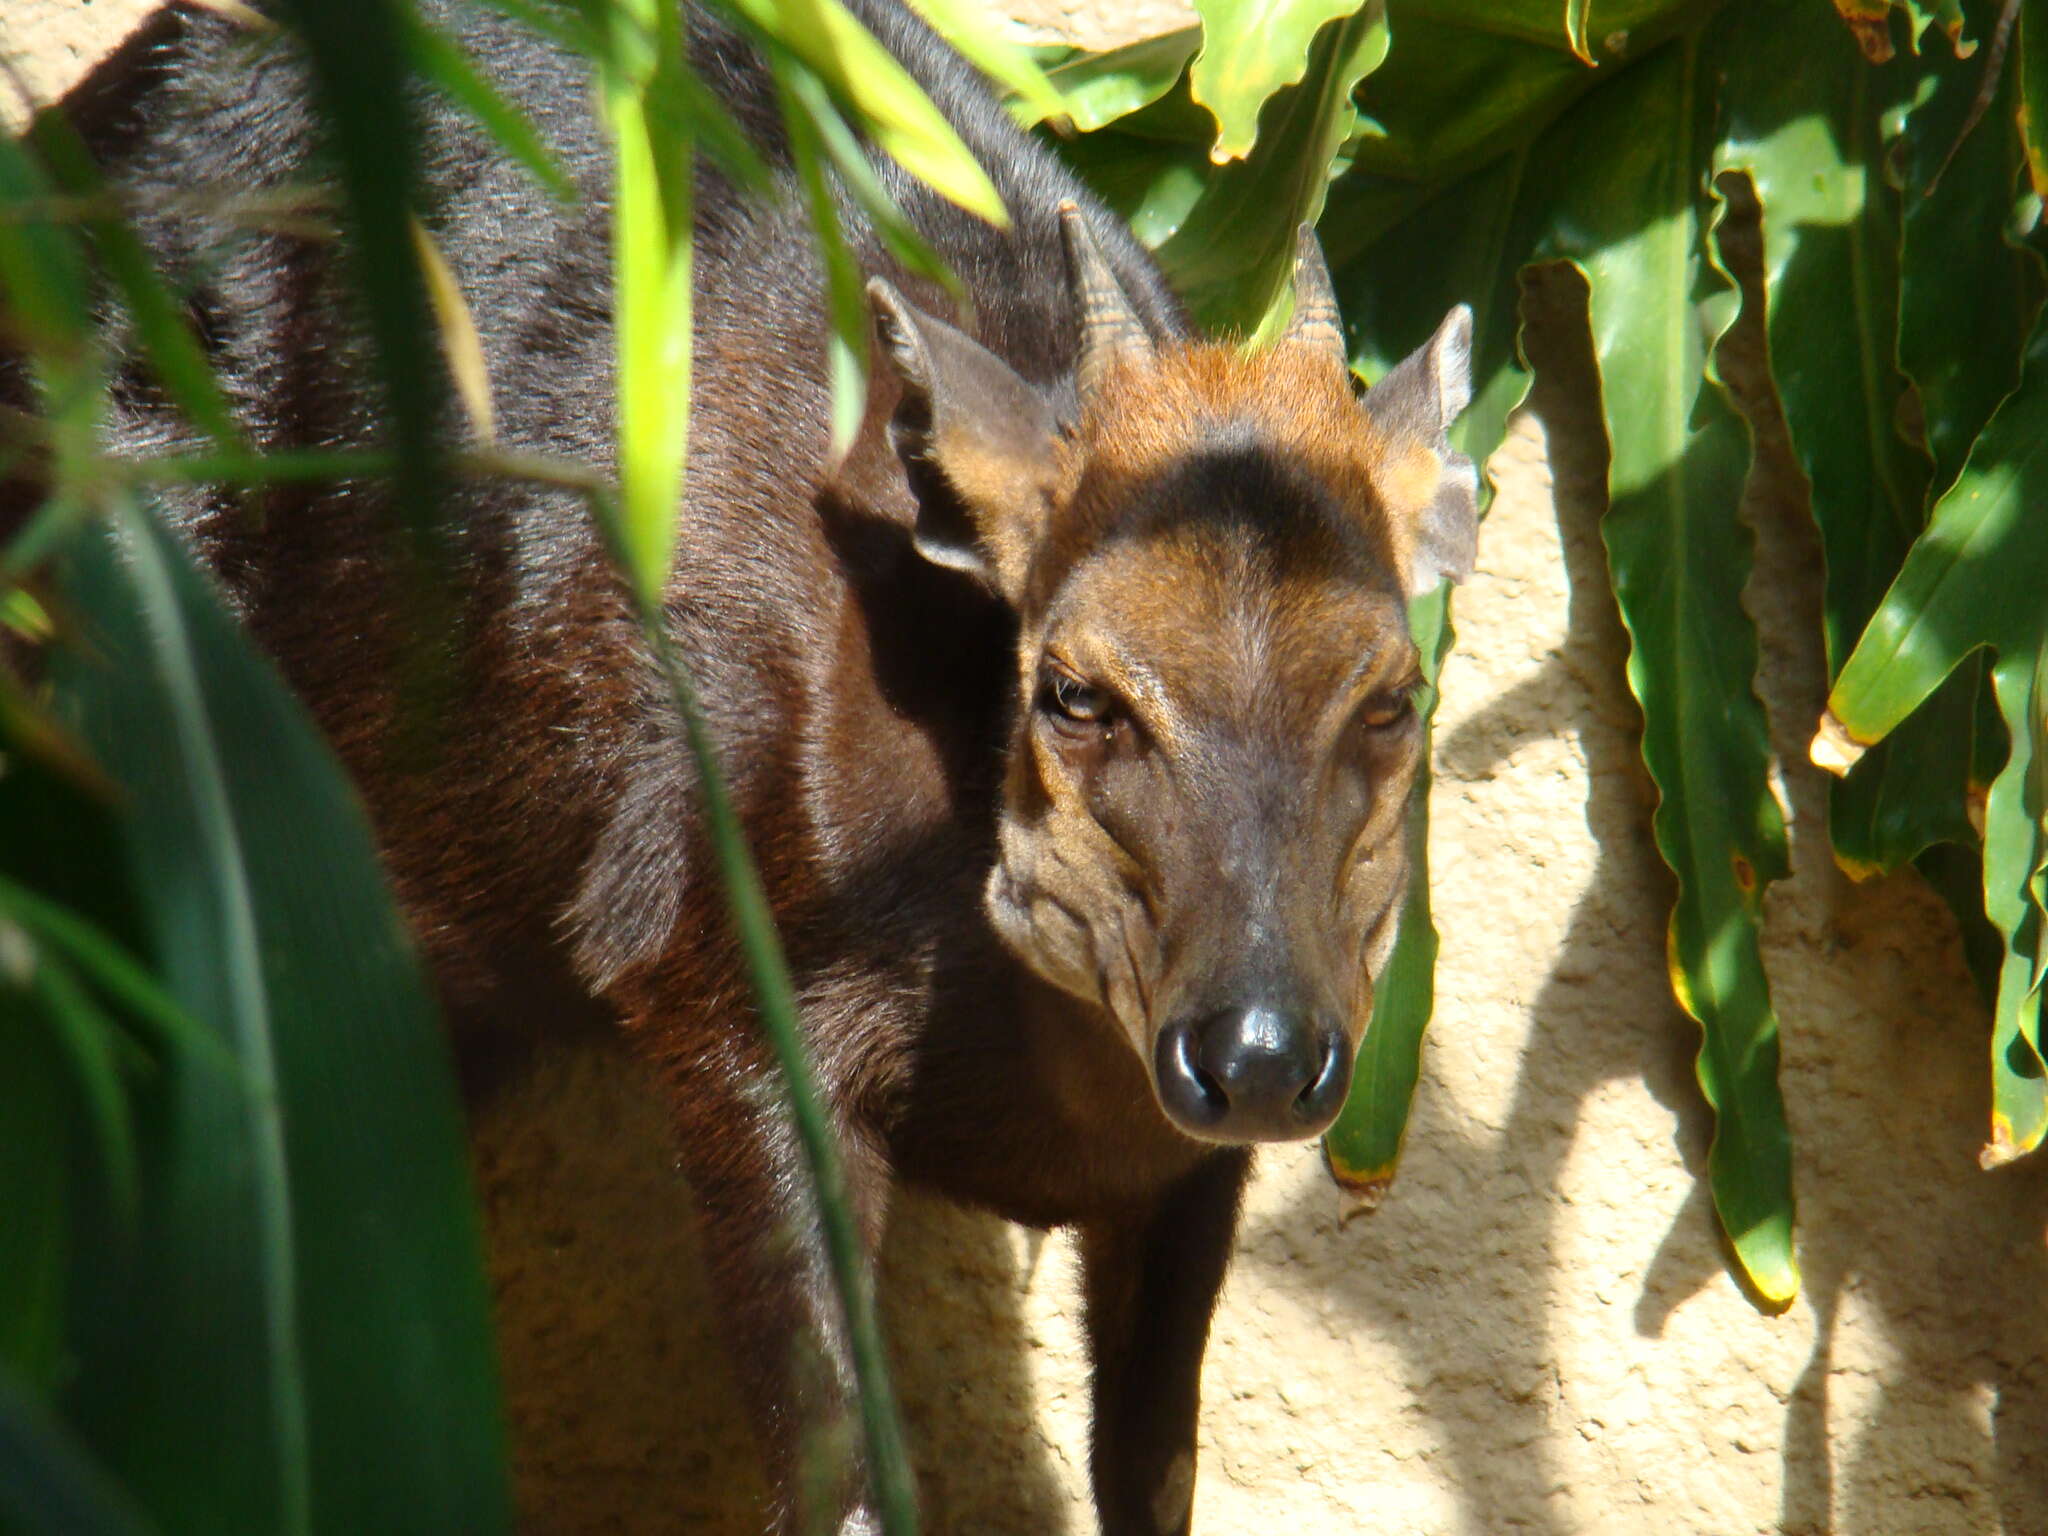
1205,809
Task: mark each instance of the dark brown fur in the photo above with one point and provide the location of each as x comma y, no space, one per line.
989,915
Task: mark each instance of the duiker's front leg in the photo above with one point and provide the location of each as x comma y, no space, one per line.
1150,1281
777,1311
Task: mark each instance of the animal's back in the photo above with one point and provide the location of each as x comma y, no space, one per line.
549,811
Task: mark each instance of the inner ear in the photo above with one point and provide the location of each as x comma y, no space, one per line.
1431,491
989,437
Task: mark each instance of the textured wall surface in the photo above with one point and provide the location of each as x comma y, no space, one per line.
1539,1331
49,45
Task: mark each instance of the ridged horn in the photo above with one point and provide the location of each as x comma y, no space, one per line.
1110,328
1316,322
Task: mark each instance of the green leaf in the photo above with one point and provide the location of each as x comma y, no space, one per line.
2032,108
1362,1149
1232,256
359,74
1099,88
1968,292
1449,99
34,1154
1393,302
441,59
161,329
91,1042
972,30
117,974
651,297
1627,165
42,271
821,120
891,107
1975,579
1802,118
308,1246
804,103
1250,49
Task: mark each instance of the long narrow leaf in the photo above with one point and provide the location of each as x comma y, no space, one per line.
161,329
804,103
115,972
891,106
91,1044
652,244
1802,118
1362,1149
972,29
308,1243
35,1175
651,264
441,60
359,71
1629,169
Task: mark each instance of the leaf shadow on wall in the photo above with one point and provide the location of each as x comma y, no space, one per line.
1481,1347
1884,1076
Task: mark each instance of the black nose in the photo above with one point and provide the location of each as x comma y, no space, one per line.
1253,1074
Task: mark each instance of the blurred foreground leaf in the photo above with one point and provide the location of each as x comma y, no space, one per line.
308,1246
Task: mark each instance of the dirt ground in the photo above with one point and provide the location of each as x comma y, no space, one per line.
1540,1330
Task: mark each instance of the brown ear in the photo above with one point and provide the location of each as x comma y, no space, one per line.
968,415
1414,407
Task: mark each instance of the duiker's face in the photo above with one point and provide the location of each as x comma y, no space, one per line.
1203,825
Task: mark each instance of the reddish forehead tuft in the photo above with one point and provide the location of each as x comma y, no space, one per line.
1150,413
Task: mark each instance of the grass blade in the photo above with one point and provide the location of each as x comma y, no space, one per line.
880,94
440,59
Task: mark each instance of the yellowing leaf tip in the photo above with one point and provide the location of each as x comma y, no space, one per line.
1833,747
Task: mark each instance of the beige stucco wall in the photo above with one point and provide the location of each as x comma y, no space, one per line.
1539,1331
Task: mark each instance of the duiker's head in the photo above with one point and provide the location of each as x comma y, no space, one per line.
1204,818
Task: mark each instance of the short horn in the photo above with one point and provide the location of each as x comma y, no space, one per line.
1316,322
1110,328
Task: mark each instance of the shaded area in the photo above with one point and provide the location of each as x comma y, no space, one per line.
623,1412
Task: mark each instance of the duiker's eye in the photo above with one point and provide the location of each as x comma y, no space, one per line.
1386,710
1065,695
